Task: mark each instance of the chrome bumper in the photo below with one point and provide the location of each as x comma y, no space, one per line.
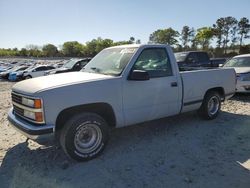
38,133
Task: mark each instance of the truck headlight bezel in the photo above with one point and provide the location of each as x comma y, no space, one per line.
34,103
29,107
243,76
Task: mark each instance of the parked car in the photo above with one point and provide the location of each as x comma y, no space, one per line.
17,75
70,66
121,86
6,73
241,64
36,71
197,59
5,68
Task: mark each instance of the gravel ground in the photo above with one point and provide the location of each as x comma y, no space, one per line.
181,151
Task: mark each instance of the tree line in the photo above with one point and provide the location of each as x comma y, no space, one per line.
68,49
228,33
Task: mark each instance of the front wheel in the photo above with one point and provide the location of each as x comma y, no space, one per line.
84,136
211,105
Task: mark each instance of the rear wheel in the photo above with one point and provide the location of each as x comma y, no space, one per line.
84,136
211,105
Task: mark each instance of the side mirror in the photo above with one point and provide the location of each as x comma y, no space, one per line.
138,75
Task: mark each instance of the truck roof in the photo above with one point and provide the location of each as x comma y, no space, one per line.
138,45
191,52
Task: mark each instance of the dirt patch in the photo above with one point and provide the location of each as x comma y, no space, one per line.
181,151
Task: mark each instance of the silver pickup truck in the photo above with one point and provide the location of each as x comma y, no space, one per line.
121,86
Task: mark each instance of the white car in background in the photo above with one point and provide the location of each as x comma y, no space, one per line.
241,64
36,71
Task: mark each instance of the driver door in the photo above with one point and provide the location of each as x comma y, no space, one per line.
154,98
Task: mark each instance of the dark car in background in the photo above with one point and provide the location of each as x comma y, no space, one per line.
71,66
197,59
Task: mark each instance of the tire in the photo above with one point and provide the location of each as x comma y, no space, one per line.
28,77
211,105
89,125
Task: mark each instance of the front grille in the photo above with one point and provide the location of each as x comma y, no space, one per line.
16,98
18,111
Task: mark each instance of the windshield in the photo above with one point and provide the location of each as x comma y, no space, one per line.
30,67
70,63
110,61
238,62
16,69
180,56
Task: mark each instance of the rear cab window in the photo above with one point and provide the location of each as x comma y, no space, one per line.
202,57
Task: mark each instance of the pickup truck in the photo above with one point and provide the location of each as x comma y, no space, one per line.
121,86
197,59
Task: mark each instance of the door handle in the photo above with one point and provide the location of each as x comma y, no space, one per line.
174,84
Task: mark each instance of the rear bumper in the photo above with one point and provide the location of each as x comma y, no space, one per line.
243,86
38,133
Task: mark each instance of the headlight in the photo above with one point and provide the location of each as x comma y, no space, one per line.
243,76
34,103
37,116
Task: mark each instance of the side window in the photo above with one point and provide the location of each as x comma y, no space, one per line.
50,67
77,66
192,58
41,69
155,61
202,57
83,63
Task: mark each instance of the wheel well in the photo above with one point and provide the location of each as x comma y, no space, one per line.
102,109
220,90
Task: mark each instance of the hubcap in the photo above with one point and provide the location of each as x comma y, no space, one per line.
87,138
213,105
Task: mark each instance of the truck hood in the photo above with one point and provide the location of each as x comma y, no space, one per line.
35,85
239,70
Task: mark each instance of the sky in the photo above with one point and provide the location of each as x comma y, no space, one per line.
39,22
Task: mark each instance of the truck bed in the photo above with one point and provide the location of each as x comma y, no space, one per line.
196,83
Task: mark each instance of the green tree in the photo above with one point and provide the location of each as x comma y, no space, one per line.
243,29
96,45
223,28
187,35
138,41
23,52
33,50
218,31
204,36
50,50
132,40
72,49
164,36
